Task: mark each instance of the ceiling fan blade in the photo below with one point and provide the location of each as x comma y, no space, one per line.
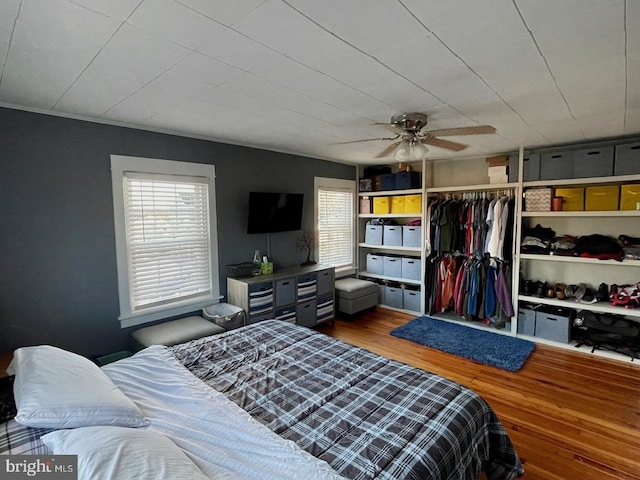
365,140
447,132
388,150
439,142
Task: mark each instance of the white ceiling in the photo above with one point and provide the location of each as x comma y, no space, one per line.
300,75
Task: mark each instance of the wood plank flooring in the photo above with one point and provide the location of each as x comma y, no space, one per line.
570,415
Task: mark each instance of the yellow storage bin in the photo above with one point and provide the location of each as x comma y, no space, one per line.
413,203
397,204
630,197
573,198
381,205
602,198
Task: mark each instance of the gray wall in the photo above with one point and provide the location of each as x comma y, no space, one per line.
58,280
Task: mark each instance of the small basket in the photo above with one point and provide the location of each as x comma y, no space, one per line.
245,269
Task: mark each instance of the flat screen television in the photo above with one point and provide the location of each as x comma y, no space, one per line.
274,212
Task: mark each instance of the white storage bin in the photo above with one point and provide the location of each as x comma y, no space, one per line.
393,297
373,234
392,235
411,236
392,266
411,300
375,264
411,268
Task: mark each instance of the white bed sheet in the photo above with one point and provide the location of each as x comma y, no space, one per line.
220,437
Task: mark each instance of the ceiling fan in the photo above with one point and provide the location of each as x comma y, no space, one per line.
411,144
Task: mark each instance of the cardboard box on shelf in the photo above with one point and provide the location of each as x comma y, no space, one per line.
501,170
493,179
498,161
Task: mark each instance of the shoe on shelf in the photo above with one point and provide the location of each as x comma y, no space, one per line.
603,293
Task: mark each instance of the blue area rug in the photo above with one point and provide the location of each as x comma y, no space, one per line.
500,351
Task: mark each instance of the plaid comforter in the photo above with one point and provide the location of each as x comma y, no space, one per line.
367,416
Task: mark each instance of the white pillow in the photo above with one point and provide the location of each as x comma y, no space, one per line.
54,388
123,453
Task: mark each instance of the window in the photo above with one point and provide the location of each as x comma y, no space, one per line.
166,243
335,207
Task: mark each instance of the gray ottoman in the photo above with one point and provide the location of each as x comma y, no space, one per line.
354,295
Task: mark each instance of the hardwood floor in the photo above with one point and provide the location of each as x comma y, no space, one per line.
570,416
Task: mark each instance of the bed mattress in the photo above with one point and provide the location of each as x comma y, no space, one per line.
365,415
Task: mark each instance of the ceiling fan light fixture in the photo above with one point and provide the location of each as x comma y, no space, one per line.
419,151
403,151
410,150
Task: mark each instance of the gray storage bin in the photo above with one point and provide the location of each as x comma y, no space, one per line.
392,266
526,321
285,292
411,300
324,308
531,168
286,314
306,313
393,297
260,298
307,286
411,268
373,234
556,165
326,281
411,236
627,159
392,235
593,162
375,264
260,318
553,326
224,314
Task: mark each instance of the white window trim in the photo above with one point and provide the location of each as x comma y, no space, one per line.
121,164
342,184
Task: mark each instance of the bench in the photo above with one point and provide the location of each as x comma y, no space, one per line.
354,295
175,331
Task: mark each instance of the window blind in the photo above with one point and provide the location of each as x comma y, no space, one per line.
167,237
335,227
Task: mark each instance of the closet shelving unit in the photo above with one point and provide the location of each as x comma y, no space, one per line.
401,218
573,270
514,188
549,268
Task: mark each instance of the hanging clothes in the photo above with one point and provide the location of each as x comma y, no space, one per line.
469,241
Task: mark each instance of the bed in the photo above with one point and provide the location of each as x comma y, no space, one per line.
276,400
